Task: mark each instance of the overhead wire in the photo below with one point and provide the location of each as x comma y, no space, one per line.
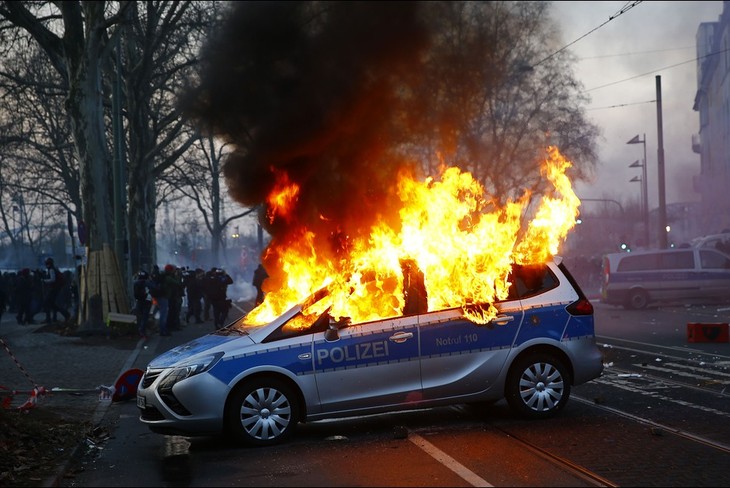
693,60
621,105
624,9
635,53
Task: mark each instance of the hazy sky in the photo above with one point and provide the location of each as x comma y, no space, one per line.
650,39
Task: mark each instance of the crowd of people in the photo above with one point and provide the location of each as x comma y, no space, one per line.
161,292
49,292
159,296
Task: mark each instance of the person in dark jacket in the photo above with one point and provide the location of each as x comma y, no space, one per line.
258,281
177,293
217,289
24,297
206,299
53,285
142,302
194,289
168,285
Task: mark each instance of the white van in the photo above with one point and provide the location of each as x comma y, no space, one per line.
636,279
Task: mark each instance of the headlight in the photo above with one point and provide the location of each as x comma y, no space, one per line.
197,366
181,372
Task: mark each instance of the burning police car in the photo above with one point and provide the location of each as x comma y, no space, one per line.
255,383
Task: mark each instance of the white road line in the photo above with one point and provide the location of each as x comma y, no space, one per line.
447,461
684,374
699,370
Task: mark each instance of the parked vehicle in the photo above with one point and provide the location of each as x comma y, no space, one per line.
255,383
638,279
721,242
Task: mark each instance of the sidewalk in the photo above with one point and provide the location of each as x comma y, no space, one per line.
34,357
50,360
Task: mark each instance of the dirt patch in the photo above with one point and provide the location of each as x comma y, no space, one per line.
35,444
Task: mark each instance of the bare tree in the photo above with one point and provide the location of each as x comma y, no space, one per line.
40,171
78,54
500,96
199,177
160,47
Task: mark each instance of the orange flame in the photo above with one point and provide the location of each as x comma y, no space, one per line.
282,197
461,240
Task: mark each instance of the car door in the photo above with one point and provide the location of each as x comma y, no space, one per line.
460,357
368,365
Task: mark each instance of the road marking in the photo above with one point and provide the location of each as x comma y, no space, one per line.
677,371
447,461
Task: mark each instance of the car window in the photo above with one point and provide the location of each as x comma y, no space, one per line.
678,260
713,260
530,280
723,245
639,263
300,324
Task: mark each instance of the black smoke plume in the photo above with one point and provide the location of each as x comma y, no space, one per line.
322,91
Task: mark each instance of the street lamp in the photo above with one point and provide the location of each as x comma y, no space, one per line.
644,191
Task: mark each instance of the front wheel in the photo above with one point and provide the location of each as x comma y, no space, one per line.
262,412
538,386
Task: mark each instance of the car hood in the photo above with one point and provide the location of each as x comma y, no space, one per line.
207,344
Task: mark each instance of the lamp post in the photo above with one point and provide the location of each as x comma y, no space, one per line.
644,191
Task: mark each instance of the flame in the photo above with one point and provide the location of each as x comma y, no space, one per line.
461,240
282,197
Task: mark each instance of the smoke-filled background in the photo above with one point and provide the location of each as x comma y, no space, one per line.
322,93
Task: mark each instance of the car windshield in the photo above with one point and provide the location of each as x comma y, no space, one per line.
301,316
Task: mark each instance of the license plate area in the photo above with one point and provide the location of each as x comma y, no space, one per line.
141,402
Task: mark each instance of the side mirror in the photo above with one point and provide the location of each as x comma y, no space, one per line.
331,334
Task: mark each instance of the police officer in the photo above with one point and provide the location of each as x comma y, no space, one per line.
217,289
53,283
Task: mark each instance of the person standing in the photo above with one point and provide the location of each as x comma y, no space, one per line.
157,291
217,287
176,292
53,284
143,303
259,275
24,297
206,299
194,290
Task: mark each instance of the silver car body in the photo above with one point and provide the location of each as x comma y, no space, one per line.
417,361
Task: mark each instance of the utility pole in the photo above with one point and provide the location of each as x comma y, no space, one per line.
660,167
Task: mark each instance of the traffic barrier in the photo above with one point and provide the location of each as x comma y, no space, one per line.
707,332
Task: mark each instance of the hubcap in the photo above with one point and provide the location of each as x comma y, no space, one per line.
541,387
265,413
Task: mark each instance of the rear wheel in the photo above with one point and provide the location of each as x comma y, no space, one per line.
637,299
538,386
262,412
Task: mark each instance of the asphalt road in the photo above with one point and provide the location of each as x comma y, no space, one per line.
650,420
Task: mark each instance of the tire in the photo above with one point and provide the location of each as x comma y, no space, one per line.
538,386
262,412
637,299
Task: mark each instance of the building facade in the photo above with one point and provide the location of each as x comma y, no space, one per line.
712,142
